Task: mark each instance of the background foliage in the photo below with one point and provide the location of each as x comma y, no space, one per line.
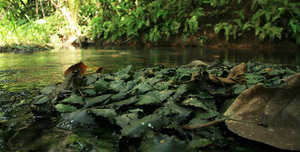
149,20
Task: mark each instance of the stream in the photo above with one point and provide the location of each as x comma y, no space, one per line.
21,71
22,131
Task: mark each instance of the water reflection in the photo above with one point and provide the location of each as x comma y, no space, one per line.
42,68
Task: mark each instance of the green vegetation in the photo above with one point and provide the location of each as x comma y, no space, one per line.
147,110
147,21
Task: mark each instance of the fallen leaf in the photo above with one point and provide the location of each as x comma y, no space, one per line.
79,66
268,115
236,76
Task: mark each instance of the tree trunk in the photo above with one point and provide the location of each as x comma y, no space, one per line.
36,7
42,8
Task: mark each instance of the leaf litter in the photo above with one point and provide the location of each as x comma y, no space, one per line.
160,108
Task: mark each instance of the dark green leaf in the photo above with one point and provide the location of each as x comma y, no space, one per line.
96,100
117,86
194,102
126,119
65,108
142,88
163,95
182,89
73,99
43,100
110,114
101,86
148,99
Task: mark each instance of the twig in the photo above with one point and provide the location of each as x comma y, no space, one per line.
203,125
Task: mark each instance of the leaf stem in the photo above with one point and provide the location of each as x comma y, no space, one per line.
203,125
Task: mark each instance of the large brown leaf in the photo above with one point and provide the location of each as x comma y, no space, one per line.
236,76
268,115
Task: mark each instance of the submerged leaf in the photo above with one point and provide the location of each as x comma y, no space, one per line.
81,116
164,143
268,115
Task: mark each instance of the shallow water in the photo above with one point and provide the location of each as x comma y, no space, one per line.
19,71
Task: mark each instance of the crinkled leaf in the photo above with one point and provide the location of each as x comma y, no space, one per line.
126,119
117,86
118,96
206,114
90,79
183,112
106,113
182,89
163,95
89,92
96,100
147,123
123,74
152,81
123,103
142,88
164,143
65,108
148,99
194,102
101,86
275,84
204,95
162,85
130,85
73,99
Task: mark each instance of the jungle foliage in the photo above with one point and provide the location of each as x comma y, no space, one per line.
147,20
162,19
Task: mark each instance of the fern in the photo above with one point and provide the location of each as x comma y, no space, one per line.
229,29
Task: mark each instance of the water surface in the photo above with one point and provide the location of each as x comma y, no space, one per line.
18,71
